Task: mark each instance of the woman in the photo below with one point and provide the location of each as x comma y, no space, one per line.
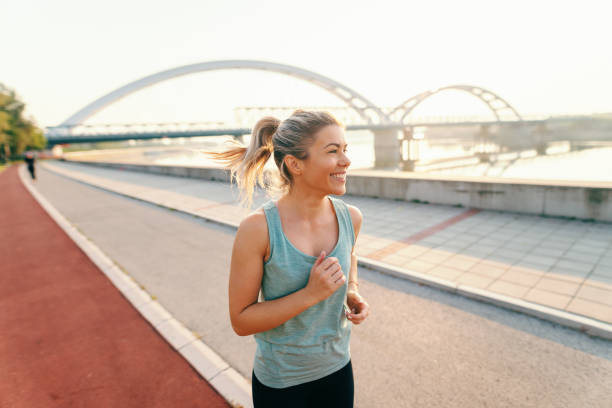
302,328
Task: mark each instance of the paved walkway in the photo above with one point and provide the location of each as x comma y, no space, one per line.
69,338
562,264
441,350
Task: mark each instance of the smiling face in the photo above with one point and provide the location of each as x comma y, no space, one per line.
325,168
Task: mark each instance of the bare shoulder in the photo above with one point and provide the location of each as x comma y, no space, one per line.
356,217
254,225
253,229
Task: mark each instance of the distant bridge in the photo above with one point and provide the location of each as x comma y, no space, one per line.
134,131
386,124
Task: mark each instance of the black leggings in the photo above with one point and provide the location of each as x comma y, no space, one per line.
334,390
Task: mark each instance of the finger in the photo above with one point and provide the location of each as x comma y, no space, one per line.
320,258
358,317
336,275
361,307
330,262
333,269
355,319
326,263
362,315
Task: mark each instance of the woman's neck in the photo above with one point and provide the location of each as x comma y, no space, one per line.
305,206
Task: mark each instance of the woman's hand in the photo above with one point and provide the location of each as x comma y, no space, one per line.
359,307
326,277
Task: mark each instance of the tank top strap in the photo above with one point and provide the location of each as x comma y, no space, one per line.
344,219
275,228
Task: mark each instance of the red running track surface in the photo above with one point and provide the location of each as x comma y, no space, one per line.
67,336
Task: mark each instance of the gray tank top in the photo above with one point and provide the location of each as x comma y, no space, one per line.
316,342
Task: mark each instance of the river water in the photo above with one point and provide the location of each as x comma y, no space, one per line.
594,164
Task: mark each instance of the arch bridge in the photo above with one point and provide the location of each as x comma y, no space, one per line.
386,126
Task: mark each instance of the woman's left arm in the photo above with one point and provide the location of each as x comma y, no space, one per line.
359,307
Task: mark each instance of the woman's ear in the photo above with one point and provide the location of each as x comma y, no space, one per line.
293,165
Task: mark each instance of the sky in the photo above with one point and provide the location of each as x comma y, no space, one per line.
541,56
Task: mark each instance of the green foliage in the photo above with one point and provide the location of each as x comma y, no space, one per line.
17,133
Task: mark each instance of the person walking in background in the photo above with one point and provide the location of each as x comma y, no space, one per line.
30,159
299,250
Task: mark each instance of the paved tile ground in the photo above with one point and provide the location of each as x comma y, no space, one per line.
560,263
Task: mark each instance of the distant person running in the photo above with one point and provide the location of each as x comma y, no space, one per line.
302,327
30,159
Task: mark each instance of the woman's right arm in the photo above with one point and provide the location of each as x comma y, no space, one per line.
246,272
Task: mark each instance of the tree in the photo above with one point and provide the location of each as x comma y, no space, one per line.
17,133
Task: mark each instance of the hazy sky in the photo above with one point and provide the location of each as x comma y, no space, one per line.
541,56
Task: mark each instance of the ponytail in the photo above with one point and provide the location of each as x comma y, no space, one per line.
246,164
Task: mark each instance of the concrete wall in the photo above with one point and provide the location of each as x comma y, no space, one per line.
572,199
205,173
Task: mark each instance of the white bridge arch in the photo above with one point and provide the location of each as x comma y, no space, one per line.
493,101
366,109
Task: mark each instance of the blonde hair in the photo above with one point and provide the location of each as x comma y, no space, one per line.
292,136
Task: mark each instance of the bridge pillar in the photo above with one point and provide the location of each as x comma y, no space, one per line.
407,162
540,140
483,144
386,152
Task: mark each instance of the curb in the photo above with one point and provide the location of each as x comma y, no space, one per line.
584,324
224,379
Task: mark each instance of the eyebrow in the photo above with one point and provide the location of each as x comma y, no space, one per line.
335,144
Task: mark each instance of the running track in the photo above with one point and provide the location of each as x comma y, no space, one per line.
67,335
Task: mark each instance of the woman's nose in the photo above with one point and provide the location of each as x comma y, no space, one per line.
345,160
